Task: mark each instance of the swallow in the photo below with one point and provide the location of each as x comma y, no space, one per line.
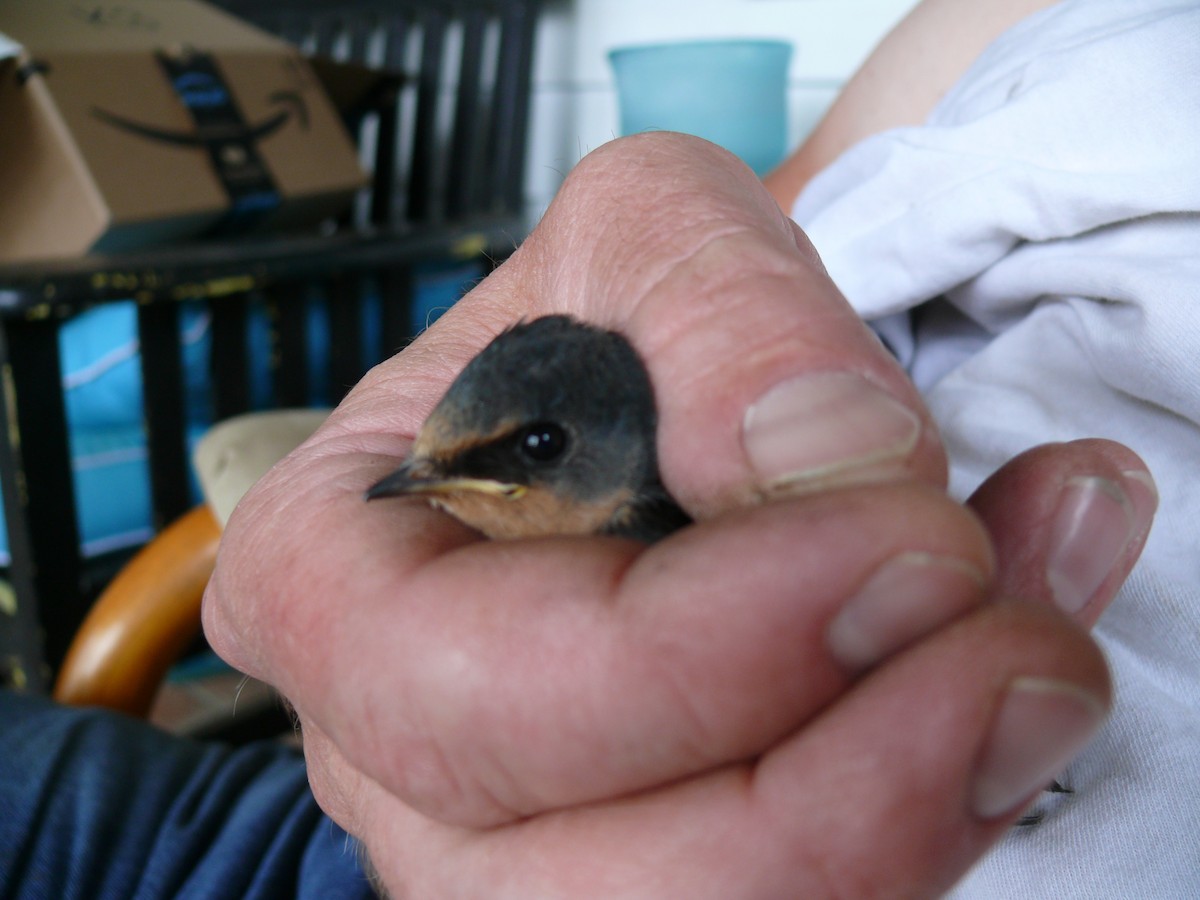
550,429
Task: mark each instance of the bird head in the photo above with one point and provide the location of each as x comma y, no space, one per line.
549,430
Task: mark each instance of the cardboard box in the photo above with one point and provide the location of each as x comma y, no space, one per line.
141,121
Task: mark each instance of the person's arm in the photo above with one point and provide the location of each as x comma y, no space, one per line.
901,81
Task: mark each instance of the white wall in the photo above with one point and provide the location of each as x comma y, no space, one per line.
574,102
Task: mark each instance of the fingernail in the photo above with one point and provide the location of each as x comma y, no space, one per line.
1040,726
828,428
1093,525
1143,492
906,597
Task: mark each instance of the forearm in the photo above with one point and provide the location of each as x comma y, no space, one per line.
901,81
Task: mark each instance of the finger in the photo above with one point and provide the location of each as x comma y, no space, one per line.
1068,522
895,791
590,667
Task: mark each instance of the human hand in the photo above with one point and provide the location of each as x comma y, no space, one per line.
589,716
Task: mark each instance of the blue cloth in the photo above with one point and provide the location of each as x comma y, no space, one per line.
96,805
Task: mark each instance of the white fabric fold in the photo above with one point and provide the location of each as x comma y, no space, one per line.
1044,225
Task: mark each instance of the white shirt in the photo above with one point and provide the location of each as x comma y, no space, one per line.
1051,204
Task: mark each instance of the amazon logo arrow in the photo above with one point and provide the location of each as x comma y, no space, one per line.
231,133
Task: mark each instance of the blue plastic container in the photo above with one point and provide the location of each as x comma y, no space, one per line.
731,92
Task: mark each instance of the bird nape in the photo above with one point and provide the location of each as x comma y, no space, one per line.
549,430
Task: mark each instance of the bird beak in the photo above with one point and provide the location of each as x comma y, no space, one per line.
415,478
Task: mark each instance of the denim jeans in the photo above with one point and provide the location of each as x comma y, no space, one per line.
95,805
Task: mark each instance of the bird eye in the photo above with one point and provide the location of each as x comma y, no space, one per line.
543,442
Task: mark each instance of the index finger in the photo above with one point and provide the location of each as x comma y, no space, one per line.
768,382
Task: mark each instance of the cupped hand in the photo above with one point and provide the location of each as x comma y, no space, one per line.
650,720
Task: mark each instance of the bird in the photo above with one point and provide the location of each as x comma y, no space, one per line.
550,430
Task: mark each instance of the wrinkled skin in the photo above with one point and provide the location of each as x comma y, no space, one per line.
590,717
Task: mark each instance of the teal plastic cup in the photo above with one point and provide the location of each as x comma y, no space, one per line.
731,92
